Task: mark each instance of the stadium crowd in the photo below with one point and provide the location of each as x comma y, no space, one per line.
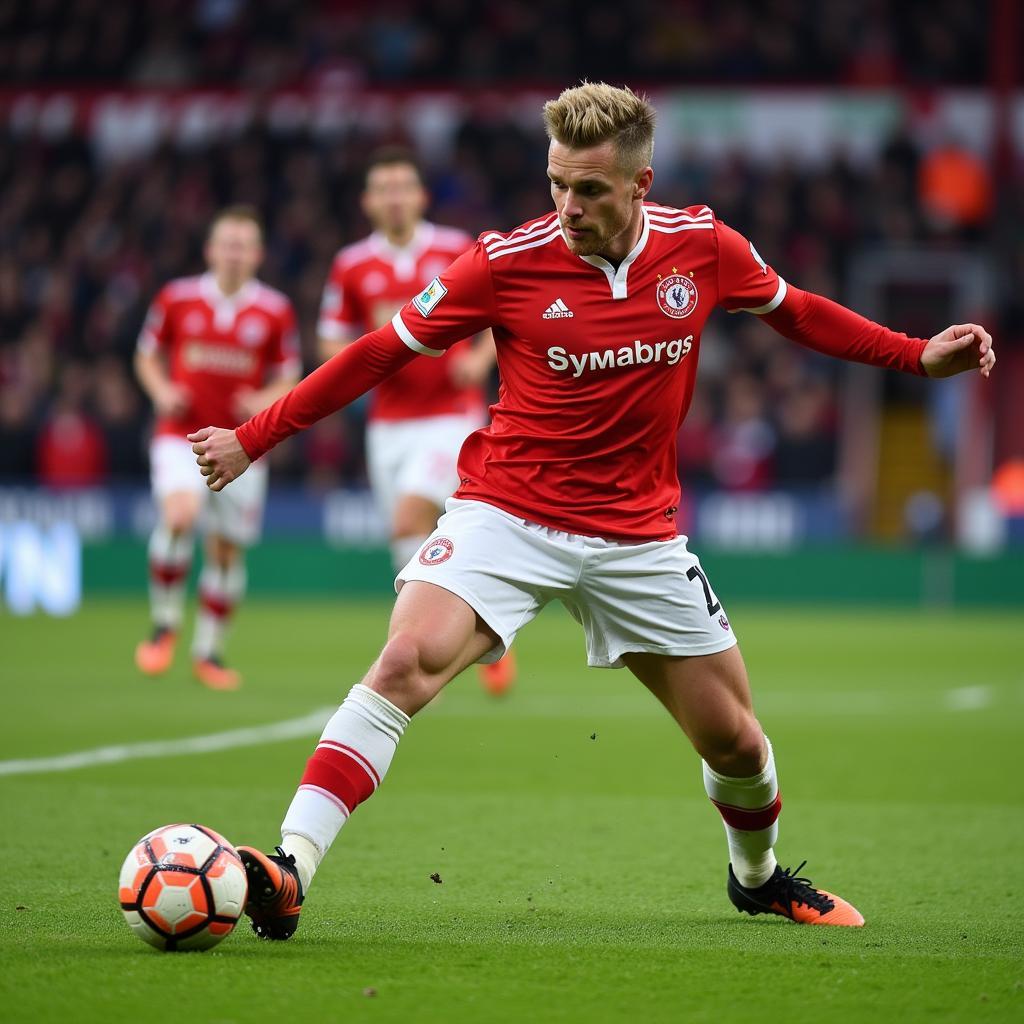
270,43
85,243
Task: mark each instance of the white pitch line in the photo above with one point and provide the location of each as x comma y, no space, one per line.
534,705
252,736
969,698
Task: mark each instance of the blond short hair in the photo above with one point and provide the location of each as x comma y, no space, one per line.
595,112
238,212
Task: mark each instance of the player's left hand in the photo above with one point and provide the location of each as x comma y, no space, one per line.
957,349
468,369
247,402
219,456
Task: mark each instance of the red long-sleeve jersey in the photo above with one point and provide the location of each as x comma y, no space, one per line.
597,363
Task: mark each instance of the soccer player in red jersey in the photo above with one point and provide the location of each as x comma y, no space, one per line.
221,346
419,417
597,311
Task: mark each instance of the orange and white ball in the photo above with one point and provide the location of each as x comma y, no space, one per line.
182,887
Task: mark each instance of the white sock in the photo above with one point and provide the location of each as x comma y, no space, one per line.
170,557
750,810
403,548
307,856
220,590
349,762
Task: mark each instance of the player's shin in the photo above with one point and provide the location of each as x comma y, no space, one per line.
750,810
348,764
170,557
220,591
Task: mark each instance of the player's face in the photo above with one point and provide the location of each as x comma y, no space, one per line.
394,199
597,201
234,251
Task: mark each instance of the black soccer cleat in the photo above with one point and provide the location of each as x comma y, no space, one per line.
275,892
790,896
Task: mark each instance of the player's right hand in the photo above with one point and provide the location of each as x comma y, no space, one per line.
172,400
219,456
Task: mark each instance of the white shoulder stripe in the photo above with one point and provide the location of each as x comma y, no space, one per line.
446,236
671,211
495,238
530,243
493,247
410,339
780,294
671,229
183,289
681,218
353,253
270,299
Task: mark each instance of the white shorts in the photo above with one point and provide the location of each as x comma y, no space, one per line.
650,597
416,456
236,513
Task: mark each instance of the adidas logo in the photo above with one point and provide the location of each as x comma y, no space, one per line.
558,310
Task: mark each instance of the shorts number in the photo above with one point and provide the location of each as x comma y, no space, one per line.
714,605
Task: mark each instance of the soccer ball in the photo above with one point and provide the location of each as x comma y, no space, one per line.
182,887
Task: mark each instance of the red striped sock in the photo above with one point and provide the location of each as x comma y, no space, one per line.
346,768
750,810
220,590
170,558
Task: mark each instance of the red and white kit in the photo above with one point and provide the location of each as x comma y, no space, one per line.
419,417
597,367
216,346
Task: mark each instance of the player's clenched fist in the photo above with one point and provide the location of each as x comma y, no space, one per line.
219,456
957,349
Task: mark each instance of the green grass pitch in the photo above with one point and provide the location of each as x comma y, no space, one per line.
583,870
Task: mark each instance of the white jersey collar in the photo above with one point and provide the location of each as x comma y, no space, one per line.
617,275
403,258
225,307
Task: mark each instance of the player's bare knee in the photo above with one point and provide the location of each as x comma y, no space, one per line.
398,674
180,522
738,754
413,517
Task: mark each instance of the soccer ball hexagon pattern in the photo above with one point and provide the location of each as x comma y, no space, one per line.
182,887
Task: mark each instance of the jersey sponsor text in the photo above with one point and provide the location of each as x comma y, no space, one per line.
639,353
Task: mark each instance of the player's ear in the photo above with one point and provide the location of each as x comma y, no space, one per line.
642,183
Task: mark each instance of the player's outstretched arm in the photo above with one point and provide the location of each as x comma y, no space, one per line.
957,349
224,454
827,327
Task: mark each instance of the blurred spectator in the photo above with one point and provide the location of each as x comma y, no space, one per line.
17,435
85,243
805,450
270,43
84,257
955,186
744,441
1008,487
71,450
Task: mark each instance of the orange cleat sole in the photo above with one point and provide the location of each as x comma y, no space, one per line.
216,677
498,677
154,657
